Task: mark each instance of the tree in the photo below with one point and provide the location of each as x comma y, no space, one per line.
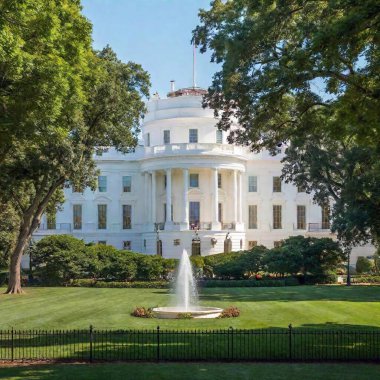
304,73
100,105
364,265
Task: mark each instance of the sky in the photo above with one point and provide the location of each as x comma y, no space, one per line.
154,33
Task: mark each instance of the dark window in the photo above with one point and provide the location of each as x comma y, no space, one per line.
102,217
127,217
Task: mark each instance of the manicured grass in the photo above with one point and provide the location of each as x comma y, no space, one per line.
195,371
307,306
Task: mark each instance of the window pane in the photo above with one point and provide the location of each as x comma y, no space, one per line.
127,245
276,184
102,217
220,213
252,184
194,211
194,180
252,243
127,184
102,183
77,217
219,136
50,219
219,180
127,217
167,137
326,217
277,217
147,139
193,135
301,217
252,217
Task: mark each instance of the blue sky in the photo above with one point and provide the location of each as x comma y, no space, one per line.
155,34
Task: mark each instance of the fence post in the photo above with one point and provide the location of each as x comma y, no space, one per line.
91,341
158,343
12,345
232,342
290,341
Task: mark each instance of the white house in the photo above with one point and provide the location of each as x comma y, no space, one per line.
186,187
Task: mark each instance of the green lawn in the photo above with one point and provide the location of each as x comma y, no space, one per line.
308,306
194,371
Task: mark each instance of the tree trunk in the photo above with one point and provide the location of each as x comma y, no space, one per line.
14,284
30,222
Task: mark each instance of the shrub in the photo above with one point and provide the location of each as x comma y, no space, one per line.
119,284
365,279
250,283
321,278
184,316
364,265
230,312
143,312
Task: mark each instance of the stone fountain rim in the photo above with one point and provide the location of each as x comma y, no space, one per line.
195,310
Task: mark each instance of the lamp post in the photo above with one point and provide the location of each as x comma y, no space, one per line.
348,267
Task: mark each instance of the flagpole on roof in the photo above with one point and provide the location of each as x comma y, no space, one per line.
194,83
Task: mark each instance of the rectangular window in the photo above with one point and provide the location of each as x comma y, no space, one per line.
127,217
252,244
219,180
194,180
325,217
277,243
102,184
51,221
127,245
166,137
252,184
194,214
276,184
300,189
193,135
147,139
127,183
277,217
102,217
219,136
77,217
252,217
301,217
102,242
165,181
220,213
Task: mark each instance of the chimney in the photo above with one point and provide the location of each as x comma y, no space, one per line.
172,85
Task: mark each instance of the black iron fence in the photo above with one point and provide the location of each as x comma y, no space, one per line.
191,345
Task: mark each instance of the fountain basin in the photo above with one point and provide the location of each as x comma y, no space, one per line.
195,311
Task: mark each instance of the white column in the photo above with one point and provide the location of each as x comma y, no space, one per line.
215,220
185,200
235,197
168,195
153,192
147,197
240,197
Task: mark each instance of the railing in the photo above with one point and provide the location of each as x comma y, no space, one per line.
275,344
200,225
315,227
58,227
228,226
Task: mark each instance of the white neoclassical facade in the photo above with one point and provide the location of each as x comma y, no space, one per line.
186,187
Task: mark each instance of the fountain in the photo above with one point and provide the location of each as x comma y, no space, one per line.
186,296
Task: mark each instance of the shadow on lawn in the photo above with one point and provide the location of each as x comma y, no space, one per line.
294,293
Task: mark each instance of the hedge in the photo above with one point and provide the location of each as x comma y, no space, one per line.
120,284
365,279
252,283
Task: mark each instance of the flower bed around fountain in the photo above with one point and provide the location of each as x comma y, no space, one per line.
175,312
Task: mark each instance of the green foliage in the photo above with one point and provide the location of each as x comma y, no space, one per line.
57,259
92,283
305,74
364,265
250,283
365,279
59,100
184,316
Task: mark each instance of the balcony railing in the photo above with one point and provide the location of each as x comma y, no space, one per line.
317,227
56,227
228,226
